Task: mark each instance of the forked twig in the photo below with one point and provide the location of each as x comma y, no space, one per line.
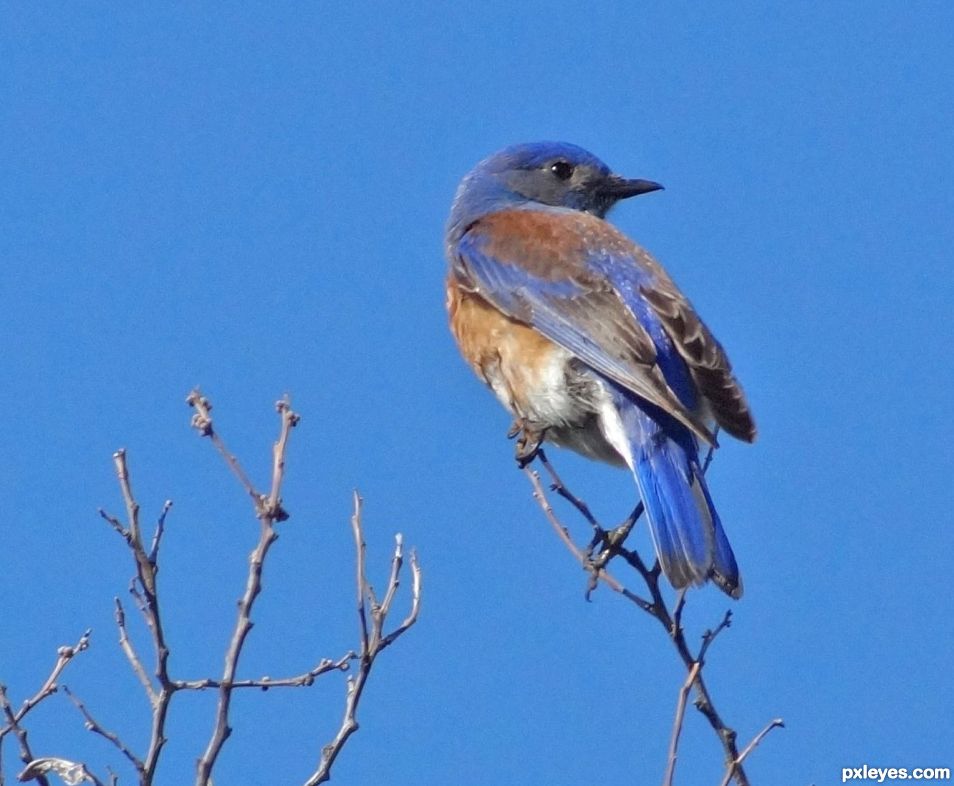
145,591
268,510
734,766
64,655
373,638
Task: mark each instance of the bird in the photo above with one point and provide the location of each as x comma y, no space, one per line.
590,345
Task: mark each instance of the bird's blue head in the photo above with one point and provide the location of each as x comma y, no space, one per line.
554,174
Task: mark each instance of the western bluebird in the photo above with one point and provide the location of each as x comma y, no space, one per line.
588,342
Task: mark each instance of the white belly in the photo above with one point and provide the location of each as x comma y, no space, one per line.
569,403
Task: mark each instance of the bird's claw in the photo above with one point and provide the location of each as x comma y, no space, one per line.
529,439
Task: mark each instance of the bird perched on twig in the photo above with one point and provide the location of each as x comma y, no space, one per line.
587,341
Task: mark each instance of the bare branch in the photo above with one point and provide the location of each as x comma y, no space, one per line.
557,485
202,422
733,768
243,625
13,724
64,655
361,583
144,589
268,510
290,419
159,686
677,723
266,683
93,726
611,545
710,635
596,574
116,524
412,615
131,655
160,529
373,638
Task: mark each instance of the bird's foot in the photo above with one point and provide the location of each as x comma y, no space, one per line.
597,550
615,538
529,436
606,543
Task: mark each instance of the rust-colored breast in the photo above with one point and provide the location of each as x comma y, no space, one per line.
507,355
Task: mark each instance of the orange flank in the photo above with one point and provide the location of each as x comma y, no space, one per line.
507,355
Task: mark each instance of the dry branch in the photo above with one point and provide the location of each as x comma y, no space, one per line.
677,723
94,726
609,545
158,685
14,720
373,638
145,591
268,510
734,766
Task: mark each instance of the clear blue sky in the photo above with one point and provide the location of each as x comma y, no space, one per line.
253,200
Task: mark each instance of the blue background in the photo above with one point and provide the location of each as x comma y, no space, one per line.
252,199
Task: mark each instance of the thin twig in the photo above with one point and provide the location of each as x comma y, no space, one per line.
733,768
243,626
373,638
93,725
415,609
13,724
202,422
266,683
361,583
564,534
63,657
677,723
132,656
710,635
144,589
557,485
160,529
115,523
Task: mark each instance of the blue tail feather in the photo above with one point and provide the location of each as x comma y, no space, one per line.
687,534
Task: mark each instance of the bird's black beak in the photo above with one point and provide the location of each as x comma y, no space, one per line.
615,187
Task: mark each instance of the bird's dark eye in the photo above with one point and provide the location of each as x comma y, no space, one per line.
562,169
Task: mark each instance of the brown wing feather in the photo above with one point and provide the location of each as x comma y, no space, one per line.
705,357
605,318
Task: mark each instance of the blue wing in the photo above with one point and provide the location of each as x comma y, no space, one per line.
586,287
580,282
